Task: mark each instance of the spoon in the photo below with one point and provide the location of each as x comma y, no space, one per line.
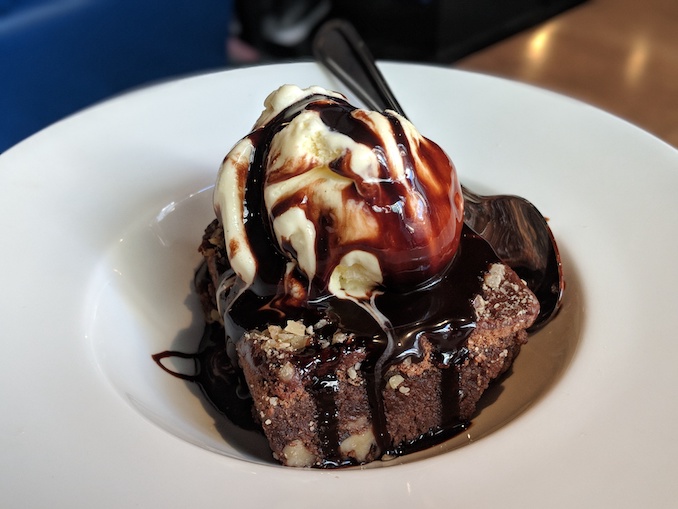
513,226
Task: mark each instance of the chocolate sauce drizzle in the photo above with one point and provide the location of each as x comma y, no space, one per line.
439,308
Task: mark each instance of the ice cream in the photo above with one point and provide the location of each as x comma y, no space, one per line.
355,201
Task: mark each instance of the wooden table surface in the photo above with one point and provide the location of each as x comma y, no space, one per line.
619,55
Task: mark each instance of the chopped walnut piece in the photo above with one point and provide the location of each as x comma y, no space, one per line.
339,337
495,275
273,331
286,372
296,328
359,445
395,381
297,455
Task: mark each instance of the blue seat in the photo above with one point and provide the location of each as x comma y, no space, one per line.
59,56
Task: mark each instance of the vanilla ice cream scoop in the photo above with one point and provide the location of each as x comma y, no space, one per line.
322,197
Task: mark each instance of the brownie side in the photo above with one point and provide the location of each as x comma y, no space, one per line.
286,410
213,250
412,396
283,369
357,443
504,310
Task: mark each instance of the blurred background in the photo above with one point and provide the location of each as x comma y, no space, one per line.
59,56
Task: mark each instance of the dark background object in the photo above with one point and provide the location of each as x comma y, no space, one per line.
413,30
442,30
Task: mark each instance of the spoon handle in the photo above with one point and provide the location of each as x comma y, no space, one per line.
339,47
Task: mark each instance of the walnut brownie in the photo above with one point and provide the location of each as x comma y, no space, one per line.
314,390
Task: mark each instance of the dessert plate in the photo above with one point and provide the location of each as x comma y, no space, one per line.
100,215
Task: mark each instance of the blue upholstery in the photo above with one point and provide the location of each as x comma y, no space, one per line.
58,56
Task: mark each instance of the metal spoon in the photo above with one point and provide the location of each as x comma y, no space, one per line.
513,226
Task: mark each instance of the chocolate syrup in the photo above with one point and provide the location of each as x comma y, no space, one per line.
425,292
324,386
220,382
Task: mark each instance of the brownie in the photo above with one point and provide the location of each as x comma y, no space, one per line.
326,397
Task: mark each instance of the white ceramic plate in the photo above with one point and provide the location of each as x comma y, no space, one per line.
99,219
